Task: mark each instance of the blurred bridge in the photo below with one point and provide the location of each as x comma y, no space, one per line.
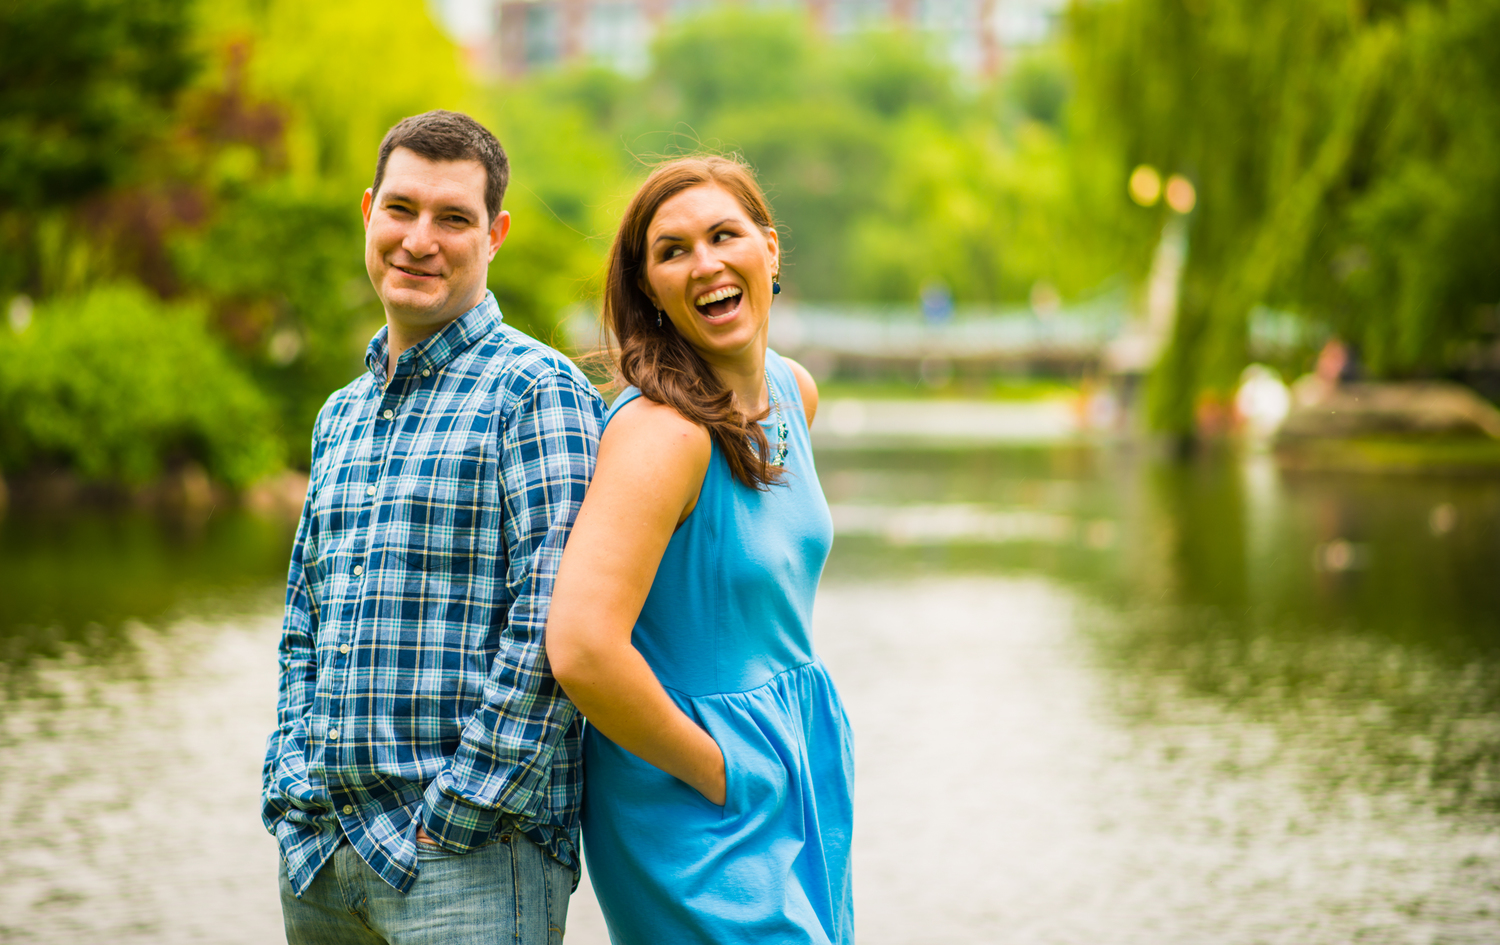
874,341
853,340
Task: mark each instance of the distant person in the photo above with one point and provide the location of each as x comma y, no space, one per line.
719,761
424,778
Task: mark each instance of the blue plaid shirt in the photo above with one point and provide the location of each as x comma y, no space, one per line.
414,684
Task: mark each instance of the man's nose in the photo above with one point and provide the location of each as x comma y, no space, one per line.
420,238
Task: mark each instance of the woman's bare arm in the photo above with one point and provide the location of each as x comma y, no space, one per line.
650,469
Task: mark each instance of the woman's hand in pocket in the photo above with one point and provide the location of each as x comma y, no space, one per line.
713,784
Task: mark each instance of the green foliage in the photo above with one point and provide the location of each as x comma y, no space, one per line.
282,268
1039,87
1344,158
342,72
562,168
86,91
235,186
84,85
884,170
117,385
732,60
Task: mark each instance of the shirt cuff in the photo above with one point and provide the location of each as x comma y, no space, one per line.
453,822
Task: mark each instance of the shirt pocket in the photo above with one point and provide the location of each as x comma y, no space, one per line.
445,514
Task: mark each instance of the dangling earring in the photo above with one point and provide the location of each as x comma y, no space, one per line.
775,287
658,318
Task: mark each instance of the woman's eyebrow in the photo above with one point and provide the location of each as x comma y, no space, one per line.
673,237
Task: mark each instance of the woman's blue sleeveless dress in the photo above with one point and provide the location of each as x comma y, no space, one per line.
726,627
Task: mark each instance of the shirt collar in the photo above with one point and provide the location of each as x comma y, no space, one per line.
441,347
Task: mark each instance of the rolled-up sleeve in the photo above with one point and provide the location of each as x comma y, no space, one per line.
503,761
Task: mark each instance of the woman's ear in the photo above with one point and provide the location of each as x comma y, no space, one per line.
645,288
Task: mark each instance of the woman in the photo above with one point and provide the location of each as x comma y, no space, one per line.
718,758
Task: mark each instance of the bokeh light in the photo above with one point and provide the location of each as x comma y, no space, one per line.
1145,185
1181,195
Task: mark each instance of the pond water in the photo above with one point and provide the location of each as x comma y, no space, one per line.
1098,698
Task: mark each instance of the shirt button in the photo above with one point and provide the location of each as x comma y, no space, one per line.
359,569
369,490
344,648
333,734
389,414
427,372
348,808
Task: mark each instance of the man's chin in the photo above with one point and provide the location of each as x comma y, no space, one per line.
418,307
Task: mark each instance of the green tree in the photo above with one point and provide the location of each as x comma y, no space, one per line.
215,153
1344,161
84,86
885,169
86,89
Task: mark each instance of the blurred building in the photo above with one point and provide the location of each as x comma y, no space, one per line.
537,34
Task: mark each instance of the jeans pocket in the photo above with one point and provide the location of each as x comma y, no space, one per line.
431,851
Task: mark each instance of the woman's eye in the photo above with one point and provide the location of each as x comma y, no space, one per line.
722,235
672,253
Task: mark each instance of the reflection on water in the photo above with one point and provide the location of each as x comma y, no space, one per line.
1360,612
129,792
72,583
1098,698
1001,800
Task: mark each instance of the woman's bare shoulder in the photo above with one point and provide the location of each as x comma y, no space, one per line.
643,425
651,457
807,387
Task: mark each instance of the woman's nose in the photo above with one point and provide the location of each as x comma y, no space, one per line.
705,259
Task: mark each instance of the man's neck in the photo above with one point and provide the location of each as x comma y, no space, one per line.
401,335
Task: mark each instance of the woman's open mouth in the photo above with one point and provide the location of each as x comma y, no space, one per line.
719,302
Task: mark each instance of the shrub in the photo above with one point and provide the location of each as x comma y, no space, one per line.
118,385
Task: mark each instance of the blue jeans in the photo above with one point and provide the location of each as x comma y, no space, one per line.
508,891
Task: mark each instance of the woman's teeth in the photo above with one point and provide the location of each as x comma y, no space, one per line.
718,302
717,295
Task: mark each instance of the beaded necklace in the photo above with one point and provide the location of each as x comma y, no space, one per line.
782,430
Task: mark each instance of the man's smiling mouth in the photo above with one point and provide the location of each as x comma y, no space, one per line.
719,302
415,272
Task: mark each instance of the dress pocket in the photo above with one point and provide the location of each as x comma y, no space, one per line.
755,776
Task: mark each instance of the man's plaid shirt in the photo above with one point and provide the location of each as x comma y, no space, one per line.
414,683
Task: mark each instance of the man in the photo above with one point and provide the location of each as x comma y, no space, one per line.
423,781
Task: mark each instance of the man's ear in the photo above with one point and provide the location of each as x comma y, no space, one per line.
498,231
366,204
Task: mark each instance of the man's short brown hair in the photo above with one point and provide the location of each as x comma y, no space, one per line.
450,136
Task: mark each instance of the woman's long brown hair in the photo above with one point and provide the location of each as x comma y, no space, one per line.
660,361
